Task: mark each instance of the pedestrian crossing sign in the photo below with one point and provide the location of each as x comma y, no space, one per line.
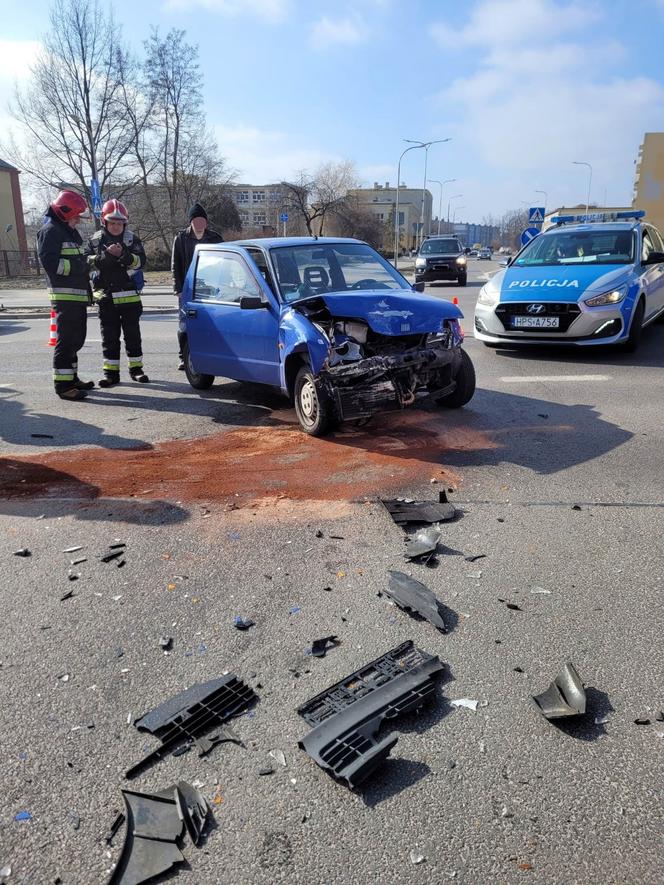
536,215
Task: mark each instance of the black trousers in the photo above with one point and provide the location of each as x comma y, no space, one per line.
72,322
116,320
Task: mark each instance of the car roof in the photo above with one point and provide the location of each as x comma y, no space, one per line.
599,225
273,242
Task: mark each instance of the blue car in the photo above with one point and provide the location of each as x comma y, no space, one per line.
587,280
327,321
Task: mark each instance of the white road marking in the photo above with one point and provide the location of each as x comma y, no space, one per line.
534,379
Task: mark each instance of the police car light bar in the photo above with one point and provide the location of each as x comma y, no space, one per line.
598,217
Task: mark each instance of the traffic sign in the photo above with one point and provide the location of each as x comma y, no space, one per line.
283,217
536,215
529,234
95,195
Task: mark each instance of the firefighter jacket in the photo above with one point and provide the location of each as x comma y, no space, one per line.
183,251
116,278
62,255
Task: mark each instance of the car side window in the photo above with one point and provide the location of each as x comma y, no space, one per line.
656,239
223,277
646,245
261,263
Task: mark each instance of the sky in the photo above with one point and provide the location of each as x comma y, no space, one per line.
521,87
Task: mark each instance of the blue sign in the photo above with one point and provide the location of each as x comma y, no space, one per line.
529,234
95,195
283,217
536,215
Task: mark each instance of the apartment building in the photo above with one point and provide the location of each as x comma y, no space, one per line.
260,206
649,179
380,200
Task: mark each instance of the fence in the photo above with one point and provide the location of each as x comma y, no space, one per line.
19,264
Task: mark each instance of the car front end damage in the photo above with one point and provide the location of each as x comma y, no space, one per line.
366,371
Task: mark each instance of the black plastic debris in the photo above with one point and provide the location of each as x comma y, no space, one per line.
241,623
564,697
660,716
643,721
166,643
42,436
404,511
22,552
119,546
156,824
115,826
414,598
475,557
319,533
346,717
114,554
422,544
67,595
190,715
511,605
320,647
576,507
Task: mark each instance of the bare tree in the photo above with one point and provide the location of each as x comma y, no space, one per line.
351,219
71,115
313,198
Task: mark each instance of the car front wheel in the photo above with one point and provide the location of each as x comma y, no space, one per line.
198,380
465,385
314,410
462,279
635,329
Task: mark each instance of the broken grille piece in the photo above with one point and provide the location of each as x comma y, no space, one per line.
422,544
346,717
403,511
191,714
414,598
564,697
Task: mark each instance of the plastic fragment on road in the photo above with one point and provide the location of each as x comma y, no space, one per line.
294,610
22,815
414,598
320,647
156,824
166,642
347,717
416,857
404,511
511,605
474,557
22,552
241,623
422,544
5,872
73,549
278,756
540,590
79,560
193,713
67,595
642,721
468,703
564,697
114,554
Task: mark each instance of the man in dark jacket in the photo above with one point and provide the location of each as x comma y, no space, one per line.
62,256
183,252
115,255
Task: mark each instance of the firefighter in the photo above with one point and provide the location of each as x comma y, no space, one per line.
62,256
183,252
116,257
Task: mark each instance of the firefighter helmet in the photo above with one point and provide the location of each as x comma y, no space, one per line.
68,205
114,210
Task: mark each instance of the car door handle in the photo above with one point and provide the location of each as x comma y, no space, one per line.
191,312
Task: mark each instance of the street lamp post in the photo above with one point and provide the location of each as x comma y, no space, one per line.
590,178
440,204
453,197
456,209
396,208
546,201
426,145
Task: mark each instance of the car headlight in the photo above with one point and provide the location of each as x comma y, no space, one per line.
489,296
461,259
612,297
420,262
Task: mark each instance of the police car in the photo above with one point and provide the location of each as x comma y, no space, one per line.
588,279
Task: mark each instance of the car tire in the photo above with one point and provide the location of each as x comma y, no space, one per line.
635,329
461,279
198,380
465,385
313,407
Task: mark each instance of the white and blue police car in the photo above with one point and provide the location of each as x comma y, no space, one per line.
586,280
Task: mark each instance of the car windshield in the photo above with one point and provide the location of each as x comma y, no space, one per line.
319,268
440,247
579,247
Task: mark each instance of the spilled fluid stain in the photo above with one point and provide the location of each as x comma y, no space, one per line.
252,464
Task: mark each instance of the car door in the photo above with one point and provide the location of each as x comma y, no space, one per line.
226,339
655,274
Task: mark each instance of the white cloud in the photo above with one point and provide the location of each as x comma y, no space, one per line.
261,11
16,57
381,173
347,31
264,156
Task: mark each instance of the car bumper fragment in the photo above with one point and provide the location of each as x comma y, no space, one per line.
347,716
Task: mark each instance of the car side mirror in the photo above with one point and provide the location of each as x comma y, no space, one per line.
654,258
252,302
504,263
418,287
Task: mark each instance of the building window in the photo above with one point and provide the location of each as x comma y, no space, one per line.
260,218
402,217
242,196
258,196
380,216
274,196
244,217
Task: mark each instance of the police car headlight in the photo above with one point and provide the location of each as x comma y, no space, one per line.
461,259
489,296
612,297
420,262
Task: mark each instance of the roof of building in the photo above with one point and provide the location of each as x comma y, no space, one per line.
8,167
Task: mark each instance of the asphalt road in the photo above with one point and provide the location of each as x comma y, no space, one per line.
496,795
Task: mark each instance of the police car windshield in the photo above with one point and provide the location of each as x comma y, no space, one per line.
322,268
440,247
579,247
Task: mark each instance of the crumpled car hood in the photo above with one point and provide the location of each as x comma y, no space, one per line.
391,314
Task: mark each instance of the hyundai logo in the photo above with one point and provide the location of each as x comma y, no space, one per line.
536,308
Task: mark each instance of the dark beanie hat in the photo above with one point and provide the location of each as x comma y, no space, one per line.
197,211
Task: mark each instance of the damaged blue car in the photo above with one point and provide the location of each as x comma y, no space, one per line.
327,321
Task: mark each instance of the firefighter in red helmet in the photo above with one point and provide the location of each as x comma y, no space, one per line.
117,259
62,256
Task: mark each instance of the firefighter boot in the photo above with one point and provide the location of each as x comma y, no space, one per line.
137,374
110,379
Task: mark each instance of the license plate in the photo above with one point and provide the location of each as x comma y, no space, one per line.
535,322
441,267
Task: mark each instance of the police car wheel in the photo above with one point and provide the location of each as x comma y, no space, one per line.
465,385
312,406
635,329
198,380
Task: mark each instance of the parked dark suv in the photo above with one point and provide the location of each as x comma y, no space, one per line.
441,258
